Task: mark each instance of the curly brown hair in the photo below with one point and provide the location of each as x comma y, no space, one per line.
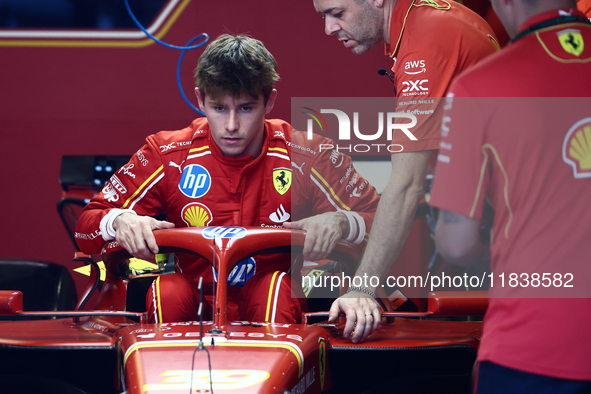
236,65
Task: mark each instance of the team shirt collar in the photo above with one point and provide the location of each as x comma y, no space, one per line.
549,15
242,160
401,10
400,14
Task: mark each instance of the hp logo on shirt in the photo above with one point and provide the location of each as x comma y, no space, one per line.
224,232
195,182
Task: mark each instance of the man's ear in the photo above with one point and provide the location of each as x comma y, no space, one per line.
271,101
199,100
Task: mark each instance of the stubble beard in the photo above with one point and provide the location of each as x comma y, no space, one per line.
370,32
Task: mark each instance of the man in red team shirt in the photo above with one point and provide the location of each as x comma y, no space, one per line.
517,130
431,42
232,168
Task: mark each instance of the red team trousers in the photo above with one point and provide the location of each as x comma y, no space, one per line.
266,297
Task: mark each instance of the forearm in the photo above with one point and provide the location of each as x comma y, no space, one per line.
95,225
391,226
89,236
395,213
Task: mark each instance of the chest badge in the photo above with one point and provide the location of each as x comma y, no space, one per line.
282,179
576,148
196,215
195,181
571,41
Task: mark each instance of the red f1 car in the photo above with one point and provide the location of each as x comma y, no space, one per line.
111,349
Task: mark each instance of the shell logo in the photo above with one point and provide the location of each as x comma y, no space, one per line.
576,149
196,215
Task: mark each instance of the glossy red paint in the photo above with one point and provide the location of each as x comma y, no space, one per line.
253,357
11,302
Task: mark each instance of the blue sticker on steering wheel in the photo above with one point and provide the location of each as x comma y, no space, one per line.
224,232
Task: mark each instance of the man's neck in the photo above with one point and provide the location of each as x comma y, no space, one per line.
388,10
526,13
259,145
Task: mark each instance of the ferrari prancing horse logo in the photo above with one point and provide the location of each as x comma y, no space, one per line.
571,41
282,179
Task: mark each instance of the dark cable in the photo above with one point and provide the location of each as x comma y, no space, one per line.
200,313
383,71
200,347
97,280
193,366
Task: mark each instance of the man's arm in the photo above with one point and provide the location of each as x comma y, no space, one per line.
323,232
135,234
338,202
457,238
393,221
125,196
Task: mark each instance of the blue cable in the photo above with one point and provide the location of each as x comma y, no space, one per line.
183,49
178,74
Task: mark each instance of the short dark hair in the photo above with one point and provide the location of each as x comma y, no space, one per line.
236,65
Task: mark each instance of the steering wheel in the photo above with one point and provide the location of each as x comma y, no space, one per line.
224,247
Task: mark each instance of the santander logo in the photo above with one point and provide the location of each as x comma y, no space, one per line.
280,216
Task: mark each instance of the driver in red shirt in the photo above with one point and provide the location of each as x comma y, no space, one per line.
232,168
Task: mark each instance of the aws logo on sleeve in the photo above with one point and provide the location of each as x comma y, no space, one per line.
415,67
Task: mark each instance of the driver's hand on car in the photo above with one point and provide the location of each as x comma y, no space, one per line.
324,231
363,315
134,233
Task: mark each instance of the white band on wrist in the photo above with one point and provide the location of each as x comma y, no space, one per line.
356,227
106,226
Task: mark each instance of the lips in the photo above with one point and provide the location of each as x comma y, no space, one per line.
232,141
347,42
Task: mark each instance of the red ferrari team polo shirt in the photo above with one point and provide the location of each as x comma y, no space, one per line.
518,132
431,42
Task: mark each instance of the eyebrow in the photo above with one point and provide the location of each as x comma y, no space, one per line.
251,103
216,103
327,11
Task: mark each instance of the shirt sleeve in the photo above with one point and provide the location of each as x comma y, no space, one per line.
132,188
336,186
422,77
463,174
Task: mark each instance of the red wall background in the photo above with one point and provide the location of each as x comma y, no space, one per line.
61,100
58,99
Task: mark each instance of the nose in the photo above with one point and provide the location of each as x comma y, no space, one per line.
331,25
232,121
